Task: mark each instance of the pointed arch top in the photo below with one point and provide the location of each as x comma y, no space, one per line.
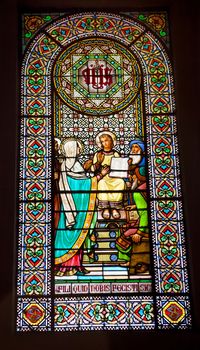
150,52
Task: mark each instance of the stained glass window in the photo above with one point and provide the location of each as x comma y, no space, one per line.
101,240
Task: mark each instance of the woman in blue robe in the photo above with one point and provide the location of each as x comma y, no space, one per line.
77,214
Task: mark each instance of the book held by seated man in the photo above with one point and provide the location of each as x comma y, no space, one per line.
119,167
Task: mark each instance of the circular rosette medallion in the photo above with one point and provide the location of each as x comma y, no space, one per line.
97,76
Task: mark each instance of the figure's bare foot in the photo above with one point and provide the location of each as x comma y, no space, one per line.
142,268
106,214
126,264
59,273
84,270
115,214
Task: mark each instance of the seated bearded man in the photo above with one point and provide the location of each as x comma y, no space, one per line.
138,256
110,195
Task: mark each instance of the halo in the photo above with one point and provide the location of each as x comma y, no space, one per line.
111,134
80,144
57,140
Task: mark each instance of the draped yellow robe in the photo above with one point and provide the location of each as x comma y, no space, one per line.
110,183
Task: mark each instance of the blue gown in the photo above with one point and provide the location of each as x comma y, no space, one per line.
68,241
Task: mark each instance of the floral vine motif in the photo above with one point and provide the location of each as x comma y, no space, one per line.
156,22
33,23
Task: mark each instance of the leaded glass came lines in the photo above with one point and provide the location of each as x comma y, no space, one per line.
101,241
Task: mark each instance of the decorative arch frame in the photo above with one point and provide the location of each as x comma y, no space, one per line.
169,304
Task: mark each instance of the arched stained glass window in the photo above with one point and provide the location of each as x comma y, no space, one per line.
101,241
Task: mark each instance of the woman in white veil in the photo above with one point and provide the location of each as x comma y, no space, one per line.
77,216
70,149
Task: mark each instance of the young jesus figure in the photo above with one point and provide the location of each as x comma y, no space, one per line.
110,189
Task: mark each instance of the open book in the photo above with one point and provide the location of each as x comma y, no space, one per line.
119,167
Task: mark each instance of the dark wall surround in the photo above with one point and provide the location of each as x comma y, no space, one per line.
184,30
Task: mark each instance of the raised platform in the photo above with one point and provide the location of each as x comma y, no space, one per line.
106,232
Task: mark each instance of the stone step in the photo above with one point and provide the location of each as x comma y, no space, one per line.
106,256
111,244
100,234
